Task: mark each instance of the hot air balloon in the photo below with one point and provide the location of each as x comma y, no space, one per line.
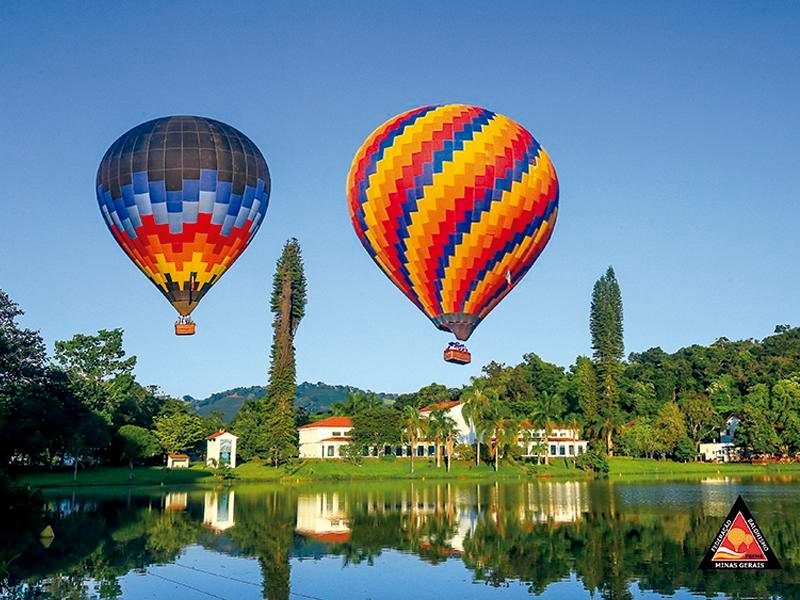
183,196
454,203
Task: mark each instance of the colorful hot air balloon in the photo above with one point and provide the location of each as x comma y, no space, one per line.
454,203
183,197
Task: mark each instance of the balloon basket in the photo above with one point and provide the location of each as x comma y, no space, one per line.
184,328
457,356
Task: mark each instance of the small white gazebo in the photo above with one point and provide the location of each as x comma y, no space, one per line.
221,449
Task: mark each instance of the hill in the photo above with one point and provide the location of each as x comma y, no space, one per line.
313,397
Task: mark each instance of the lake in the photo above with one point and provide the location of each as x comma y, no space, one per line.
405,541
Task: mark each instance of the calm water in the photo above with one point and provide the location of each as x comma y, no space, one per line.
406,541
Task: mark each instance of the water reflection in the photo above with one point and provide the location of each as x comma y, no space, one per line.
218,510
600,538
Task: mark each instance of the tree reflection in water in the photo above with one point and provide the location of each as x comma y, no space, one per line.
540,532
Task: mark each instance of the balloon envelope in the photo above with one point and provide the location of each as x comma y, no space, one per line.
454,203
183,196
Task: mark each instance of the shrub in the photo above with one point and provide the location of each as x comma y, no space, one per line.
353,453
465,452
592,460
685,451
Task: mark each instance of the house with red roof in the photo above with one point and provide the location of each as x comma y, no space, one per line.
328,437
325,438
221,449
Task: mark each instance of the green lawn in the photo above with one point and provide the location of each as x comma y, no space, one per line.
306,470
376,469
624,466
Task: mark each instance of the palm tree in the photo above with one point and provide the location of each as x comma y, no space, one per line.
493,424
508,435
414,428
476,403
439,426
546,410
449,429
355,403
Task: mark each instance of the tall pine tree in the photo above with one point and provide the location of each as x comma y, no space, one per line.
605,323
288,305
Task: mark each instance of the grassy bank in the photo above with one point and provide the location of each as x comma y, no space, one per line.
307,470
621,468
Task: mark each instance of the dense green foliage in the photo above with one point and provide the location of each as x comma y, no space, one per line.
86,406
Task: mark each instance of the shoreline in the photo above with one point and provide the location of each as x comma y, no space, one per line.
620,469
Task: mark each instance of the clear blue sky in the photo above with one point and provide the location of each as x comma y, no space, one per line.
673,126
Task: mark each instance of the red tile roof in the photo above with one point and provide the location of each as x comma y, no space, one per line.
441,406
216,435
330,537
337,439
179,456
330,422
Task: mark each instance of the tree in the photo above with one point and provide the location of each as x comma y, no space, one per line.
355,402
702,419
605,324
101,373
442,428
476,404
288,305
249,426
179,431
137,443
547,410
586,384
639,438
671,427
414,428
756,432
376,428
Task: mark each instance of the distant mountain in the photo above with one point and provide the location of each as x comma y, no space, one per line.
313,397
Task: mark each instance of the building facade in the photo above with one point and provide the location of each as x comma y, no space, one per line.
221,449
327,438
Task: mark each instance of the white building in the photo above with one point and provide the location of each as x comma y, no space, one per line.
177,461
725,449
221,449
326,438
561,442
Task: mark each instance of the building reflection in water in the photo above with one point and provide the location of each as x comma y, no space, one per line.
323,517
218,510
448,513
176,501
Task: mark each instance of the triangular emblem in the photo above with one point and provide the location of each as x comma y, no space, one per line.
740,544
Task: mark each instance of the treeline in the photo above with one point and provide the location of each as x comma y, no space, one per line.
84,405
654,404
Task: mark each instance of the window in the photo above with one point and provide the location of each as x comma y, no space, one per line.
341,450
398,451
330,450
431,450
571,450
562,450
420,450
337,434
552,449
